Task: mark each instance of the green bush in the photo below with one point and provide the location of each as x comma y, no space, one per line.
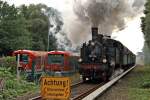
12,87
9,63
146,84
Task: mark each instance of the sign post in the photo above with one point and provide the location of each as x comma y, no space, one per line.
55,88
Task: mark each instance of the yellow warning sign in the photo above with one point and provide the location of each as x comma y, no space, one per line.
55,88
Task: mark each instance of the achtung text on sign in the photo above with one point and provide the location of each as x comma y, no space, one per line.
55,87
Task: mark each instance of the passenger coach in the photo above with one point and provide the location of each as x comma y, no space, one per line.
31,62
61,63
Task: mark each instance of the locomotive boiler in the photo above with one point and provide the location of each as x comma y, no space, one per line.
101,56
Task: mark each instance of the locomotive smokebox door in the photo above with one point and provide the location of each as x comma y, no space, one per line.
94,33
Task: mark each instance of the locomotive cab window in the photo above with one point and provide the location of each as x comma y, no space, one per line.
55,59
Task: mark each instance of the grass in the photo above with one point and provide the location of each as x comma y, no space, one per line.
12,87
139,84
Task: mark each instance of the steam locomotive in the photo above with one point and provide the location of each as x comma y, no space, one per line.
101,56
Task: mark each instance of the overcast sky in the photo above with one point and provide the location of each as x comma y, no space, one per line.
132,36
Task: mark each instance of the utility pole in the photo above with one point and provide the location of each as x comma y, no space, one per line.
48,42
50,26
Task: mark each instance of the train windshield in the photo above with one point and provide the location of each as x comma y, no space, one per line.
55,59
23,58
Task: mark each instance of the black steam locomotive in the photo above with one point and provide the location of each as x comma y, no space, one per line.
101,56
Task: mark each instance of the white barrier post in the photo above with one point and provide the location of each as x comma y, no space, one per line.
18,65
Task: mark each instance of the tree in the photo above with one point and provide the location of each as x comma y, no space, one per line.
145,29
13,34
38,24
27,27
146,23
146,54
55,25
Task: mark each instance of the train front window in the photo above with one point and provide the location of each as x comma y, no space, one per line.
23,58
55,59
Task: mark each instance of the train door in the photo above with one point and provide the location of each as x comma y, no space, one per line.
38,63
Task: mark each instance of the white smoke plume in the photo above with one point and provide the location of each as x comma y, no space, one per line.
107,15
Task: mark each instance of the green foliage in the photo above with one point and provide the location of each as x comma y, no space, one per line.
146,23
145,29
14,88
146,84
27,27
139,85
38,24
9,63
13,34
146,54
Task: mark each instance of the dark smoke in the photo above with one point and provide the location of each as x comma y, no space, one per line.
107,15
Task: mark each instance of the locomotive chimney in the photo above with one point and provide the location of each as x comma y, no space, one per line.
94,32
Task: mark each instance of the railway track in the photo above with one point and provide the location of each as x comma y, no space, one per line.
89,91
83,90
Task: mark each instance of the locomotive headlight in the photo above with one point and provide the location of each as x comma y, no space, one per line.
80,60
104,60
92,43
